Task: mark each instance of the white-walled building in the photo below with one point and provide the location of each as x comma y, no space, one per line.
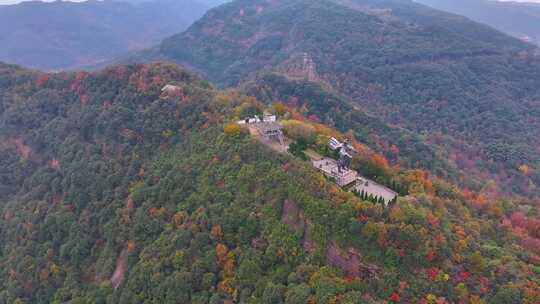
334,144
330,168
170,89
268,128
249,120
271,131
269,118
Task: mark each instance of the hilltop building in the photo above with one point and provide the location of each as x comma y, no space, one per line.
169,90
268,128
332,169
267,118
345,150
339,170
334,144
249,120
271,131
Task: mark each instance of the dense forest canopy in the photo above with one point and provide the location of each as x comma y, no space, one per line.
135,184
113,192
469,90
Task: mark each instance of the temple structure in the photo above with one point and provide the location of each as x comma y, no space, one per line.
268,127
330,167
169,90
271,130
267,118
339,170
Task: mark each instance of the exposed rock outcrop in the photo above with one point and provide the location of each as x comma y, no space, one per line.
121,267
349,261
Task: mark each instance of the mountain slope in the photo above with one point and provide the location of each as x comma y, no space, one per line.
471,90
404,32
119,194
396,144
64,34
514,18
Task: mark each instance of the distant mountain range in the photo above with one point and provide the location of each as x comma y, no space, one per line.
520,19
67,35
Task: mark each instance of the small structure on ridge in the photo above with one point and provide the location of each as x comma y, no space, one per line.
330,167
256,119
271,131
344,176
170,90
345,150
268,128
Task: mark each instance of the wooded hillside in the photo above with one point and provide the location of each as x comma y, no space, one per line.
114,193
468,90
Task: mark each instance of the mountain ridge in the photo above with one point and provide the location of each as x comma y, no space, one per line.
255,9
142,183
69,35
510,17
430,72
124,194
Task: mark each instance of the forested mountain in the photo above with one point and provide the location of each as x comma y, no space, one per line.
113,192
63,34
398,145
514,18
470,91
114,189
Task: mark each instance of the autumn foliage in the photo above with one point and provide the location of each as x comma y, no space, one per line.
232,129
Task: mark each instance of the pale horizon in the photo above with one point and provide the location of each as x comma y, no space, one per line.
18,1
3,2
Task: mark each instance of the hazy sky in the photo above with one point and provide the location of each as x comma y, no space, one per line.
17,1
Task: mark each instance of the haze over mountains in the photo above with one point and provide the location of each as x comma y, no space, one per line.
137,183
518,19
67,35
